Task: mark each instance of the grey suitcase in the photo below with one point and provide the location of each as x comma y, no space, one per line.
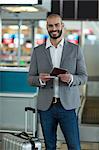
22,141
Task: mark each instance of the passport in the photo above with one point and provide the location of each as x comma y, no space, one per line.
56,71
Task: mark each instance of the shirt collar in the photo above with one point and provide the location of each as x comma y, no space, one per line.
48,43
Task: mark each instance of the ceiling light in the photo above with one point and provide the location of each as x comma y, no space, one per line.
19,2
21,9
15,27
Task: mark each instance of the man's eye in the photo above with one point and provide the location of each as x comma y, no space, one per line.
57,25
50,26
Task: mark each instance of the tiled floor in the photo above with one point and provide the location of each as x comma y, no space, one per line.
84,146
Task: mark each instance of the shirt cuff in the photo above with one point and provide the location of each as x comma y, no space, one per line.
71,80
42,83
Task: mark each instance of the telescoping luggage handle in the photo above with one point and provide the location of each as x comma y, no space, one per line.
34,120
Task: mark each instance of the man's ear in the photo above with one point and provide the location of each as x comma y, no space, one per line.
62,24
46,26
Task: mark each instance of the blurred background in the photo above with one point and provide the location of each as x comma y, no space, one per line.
23,27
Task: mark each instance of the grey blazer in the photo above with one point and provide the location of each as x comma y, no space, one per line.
72,60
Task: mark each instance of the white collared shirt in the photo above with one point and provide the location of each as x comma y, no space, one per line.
56,54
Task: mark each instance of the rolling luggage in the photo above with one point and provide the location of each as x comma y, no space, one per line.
23,140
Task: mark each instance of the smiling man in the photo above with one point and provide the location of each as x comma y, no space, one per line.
55,30
59,96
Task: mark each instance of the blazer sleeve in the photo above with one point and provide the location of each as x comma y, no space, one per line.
33,76
81,76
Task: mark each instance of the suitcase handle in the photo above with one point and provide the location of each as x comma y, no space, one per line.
34,120
30,109
23,134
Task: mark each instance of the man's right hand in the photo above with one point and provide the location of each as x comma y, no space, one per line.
44,77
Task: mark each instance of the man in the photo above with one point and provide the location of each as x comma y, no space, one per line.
58,97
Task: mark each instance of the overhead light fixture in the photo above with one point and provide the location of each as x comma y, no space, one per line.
15,27
21,9
15,2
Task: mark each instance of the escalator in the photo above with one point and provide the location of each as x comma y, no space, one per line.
91,111
89,124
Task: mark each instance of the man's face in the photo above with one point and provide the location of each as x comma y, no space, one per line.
54,27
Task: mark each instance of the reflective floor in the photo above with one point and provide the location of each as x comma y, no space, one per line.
84,146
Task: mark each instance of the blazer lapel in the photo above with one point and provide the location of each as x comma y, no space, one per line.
65,52
47,52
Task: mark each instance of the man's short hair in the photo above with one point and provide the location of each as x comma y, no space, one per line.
54,15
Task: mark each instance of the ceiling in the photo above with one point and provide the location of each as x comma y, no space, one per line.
41,14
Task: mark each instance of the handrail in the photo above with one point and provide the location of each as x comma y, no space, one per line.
93,78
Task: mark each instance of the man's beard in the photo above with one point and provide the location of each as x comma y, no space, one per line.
55,37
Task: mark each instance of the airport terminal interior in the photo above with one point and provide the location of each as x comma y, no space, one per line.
23,27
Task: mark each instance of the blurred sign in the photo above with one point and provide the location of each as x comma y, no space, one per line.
73,38
76,9
40,39
88,9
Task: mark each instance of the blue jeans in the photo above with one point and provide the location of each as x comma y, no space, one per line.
67,120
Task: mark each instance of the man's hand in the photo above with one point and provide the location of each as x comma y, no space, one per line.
44,77
65,77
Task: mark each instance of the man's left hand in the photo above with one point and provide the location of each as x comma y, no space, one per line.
65,77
